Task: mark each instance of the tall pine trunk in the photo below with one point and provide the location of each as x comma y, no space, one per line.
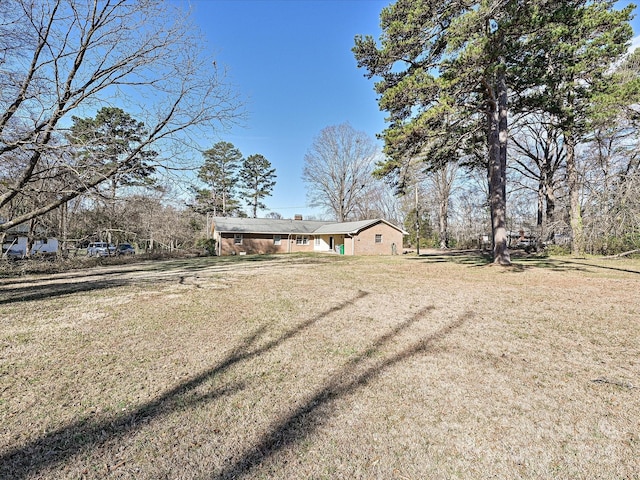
575,211
497,169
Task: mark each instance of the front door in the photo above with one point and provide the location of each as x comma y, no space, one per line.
330,243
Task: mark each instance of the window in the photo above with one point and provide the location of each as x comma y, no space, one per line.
378,238
302,240
237,239
277,239
317,241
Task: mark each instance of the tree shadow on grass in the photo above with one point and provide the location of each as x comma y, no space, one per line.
472,258
355,374
29,293
112,277
521,261
565,264
88,434
68,276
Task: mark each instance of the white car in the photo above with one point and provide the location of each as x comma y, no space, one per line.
100,249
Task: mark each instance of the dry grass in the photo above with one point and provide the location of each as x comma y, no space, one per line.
308,367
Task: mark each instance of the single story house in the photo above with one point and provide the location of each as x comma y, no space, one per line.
241,236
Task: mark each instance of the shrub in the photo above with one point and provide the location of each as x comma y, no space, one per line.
558,249
209,244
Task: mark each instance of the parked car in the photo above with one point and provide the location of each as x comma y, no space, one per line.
100,249
125,249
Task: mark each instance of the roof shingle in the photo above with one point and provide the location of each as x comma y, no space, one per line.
273,226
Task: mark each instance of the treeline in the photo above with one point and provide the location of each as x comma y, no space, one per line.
540,95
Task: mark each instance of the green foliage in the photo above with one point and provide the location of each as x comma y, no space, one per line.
428,237
612,245
582,41
228,176
437,64
209,244
558,250
220,173
195,225
105,145
204,201
256,180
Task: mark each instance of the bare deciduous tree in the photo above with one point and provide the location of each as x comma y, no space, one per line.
380,201
538,157
611,173
74,56
338,170
440,183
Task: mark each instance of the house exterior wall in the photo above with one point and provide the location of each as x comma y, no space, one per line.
349,245
362,244
295,247
49,245
365,241
251,243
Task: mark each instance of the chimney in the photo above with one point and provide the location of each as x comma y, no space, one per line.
297,216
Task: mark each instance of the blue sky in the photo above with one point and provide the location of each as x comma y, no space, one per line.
291,61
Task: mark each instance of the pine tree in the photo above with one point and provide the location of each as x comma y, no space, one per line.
109,146
220,173
256,181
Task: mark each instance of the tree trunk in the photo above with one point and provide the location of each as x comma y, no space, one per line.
540,218
497,165
575,213
540,213
30,237
417,222
550,219
443,224
62,244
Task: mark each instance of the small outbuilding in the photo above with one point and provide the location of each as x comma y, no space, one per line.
241,236
15,242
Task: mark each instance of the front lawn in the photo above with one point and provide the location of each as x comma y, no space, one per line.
300,367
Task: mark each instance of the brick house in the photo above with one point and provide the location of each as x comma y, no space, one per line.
240,236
